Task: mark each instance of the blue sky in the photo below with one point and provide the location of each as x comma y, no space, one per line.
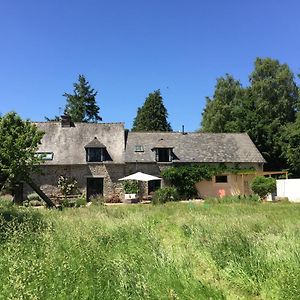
129,48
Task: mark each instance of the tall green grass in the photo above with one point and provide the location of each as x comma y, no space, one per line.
174,251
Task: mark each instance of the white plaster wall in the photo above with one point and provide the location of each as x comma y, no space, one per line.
289,188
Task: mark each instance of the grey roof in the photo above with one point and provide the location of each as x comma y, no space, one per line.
195,147
162,143
95,143
68,143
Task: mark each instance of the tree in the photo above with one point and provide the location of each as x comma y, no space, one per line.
220,114
261,110
152,116
81,106
274,94
19,143
290,142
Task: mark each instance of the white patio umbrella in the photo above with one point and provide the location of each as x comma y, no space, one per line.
139,176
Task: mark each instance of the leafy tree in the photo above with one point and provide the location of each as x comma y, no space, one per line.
290,142
275,97
152,116
261,110
82,106
19,142
220,113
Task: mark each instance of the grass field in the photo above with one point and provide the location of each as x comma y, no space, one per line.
174,251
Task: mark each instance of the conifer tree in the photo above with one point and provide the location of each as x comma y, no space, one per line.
81,106
152,116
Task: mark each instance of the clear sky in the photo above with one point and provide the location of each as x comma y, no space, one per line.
129,48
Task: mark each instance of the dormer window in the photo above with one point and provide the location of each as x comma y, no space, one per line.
96,151
94,154
163,151
163,154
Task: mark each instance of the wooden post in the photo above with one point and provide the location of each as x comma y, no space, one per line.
40,193
243,187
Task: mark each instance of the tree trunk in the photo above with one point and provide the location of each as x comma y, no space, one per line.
40,193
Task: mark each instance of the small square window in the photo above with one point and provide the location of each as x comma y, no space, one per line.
221,179
138,148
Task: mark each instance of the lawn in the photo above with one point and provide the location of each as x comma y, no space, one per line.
172,251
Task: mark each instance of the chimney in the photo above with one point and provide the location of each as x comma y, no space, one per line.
66,121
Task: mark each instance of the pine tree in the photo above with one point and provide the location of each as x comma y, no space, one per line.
81,106
152,116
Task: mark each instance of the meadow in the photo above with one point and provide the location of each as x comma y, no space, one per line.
171,251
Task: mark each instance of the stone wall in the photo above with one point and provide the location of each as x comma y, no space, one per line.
110,172
47,179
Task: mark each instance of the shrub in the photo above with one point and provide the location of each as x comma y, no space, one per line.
6,203
164,195
80,201
131,187
68,202
262,186
33,196
67,185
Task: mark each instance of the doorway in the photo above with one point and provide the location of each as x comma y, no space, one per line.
94,187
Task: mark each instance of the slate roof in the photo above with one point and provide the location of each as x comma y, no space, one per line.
68,143
195,147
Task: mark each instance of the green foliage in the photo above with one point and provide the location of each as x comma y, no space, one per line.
81,105
165,194
67,185
81,201
152,116
262,186
185,178
220,112
19,143
261,110
33,196
131,187
290,142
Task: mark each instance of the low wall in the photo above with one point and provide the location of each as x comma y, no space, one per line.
289,188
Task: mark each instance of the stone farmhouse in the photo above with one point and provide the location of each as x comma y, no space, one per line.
97,155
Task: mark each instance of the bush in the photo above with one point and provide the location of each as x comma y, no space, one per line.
262,186
80,201
67,185
33,196
68,202
164,195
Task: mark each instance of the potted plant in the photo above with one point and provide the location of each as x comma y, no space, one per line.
131,189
